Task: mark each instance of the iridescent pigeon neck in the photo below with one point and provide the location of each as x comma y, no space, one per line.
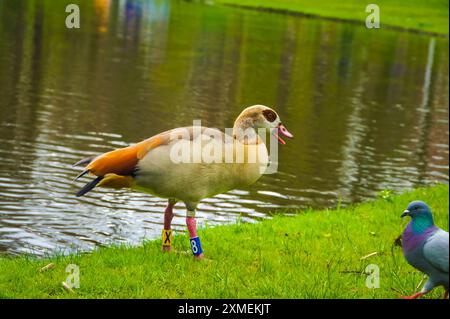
421,224
415,234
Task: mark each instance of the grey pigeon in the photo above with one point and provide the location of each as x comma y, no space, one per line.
425,247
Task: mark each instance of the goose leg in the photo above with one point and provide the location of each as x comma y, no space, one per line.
192,228
167,231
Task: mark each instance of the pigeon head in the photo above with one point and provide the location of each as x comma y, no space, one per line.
419,210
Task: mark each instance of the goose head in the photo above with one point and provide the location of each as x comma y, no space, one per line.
259,117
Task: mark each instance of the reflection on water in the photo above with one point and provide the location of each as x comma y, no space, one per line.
368,108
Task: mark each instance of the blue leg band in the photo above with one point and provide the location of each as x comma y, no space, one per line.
196,246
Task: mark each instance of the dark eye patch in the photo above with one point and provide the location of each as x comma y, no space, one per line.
269,115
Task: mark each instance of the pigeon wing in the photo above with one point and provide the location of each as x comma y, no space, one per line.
435,250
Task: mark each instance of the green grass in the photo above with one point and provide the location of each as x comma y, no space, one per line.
314,254
428,16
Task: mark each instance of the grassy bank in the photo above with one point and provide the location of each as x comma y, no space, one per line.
316,254
427,16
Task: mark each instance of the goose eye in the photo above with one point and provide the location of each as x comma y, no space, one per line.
269,115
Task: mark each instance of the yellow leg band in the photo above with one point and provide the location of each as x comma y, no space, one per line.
167,237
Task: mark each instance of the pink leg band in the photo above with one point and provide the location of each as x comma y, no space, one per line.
168,216
192,226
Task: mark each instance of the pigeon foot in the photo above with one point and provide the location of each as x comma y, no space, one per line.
415,296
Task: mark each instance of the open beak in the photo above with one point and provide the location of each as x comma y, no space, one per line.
406,213
282,130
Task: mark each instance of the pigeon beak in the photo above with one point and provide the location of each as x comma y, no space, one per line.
406,213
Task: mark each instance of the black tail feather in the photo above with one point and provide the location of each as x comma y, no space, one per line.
85,161
81,174
89,186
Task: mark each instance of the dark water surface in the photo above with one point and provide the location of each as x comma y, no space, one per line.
368,108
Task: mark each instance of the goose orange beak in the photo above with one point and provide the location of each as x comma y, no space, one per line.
282,130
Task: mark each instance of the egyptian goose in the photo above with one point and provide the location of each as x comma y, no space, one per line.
189,164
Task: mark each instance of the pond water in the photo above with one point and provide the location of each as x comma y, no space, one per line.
368,108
